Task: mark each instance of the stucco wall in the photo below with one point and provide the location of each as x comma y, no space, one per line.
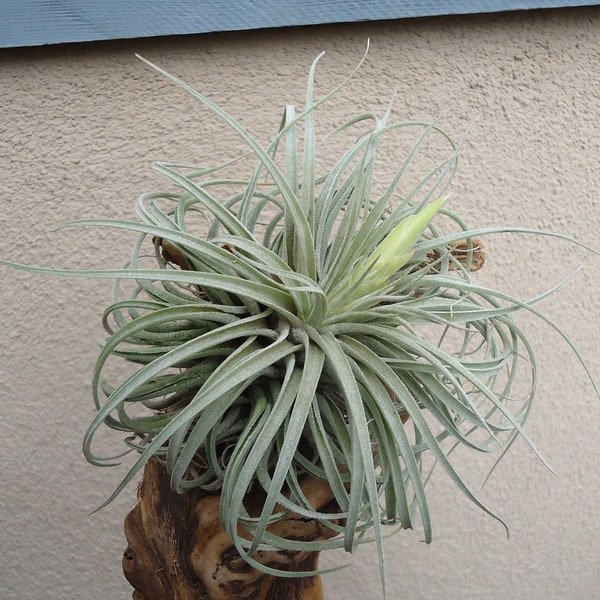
80,127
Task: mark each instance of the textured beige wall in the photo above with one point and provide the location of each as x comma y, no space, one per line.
80,127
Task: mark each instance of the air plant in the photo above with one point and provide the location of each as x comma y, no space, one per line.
319,325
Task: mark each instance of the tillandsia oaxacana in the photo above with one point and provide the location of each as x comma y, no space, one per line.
293,335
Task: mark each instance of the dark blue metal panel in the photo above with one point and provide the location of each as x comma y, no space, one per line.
38,22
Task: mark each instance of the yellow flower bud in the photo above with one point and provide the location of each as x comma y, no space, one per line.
397,248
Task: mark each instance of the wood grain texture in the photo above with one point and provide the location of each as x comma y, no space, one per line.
178,550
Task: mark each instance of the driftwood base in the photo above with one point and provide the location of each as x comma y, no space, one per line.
179,551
